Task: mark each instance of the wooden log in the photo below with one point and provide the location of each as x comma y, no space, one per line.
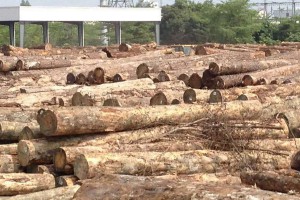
280,183
171,85
6,66
124,47
159,163
10,149
80,79
40,151
163,76
18,114
68,180
120,77
66,155
61,193
20,183
226,81
159,99
112,102
42,64
252,78
195,81
9,164
40,169
185,78
57,122
292,120
207,78
202,50
201,186
141,70
10,130
70,79
226,68
28,133
98,75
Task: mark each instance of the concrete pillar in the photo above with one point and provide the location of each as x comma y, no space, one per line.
22,33
12,33
45,32
80,33
118,32
157,33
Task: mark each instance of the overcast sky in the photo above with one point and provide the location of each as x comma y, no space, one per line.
95,2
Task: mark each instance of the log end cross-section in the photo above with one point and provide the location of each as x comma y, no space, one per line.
48,122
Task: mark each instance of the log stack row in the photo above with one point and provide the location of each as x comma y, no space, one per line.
125,137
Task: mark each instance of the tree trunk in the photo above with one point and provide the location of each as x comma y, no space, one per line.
254,77
10,149
236,67
66,155
66,180
183,162
20,183
61,193
68,121
273,181
18,114
42,64
6,66
28,133
195,81
291,117
226,81
10,130
9,164
40,151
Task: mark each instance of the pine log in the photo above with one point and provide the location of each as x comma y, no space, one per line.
166,98
173,85
42,64
9,164
195,81
40,151
6,66
20,183
41,169
183,162
68,180
163,76
120,77
29,133
10,149
98,75
215,97
61,193
18,114
70,79
10,130
235,67
252,78
66,155
226,81
141,70
172,187
291,117
273,181
207,78
58,122
185,78
202,50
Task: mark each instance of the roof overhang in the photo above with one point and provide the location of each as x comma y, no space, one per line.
72,14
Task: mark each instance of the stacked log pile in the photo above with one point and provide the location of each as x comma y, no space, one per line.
141,122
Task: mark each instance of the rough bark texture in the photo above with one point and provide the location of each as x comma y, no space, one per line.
20,183
9,164
59,122
61,193
66,180
42,64
10,149
10,130
270,180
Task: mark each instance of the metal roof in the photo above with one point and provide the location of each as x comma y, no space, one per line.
69,14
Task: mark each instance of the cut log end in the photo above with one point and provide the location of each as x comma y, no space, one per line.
185,78
24,153
242,97
163,76
48,122
141,70
175,101
189,96
214,68
98,75
248,80
20,65
26,134
112,102
77,99
70,79
218,83
1,65
118,78
81,167
215,97
159,99
195,81
80,79
60,160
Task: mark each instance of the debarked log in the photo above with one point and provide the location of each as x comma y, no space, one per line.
76,120
21,183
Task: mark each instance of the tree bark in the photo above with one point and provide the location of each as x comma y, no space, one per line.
236,67
273,181
20,183
184,162
254,77
10,149
28,133
40,151
9,164
6,66
61,193
226,81
68,121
